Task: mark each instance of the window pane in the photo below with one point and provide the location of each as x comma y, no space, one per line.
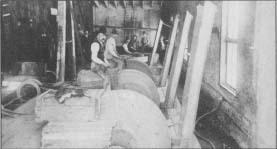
231,77
233,19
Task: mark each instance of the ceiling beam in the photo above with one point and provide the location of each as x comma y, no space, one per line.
133,3
151,3
115,3
124,3
106,3
96,3
142,3
161,3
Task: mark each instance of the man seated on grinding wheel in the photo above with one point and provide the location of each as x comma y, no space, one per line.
110,54
98,63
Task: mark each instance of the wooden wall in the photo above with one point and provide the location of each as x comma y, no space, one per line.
125,19
36,10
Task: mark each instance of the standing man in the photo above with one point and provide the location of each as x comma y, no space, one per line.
144,42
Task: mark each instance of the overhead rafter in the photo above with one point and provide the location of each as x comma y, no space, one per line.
96,3
142,3
161,3
133,3
115,3
106,3
124,3
151,3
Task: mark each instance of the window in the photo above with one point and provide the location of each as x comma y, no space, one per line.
229,45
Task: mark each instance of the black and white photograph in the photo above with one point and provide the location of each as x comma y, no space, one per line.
138,74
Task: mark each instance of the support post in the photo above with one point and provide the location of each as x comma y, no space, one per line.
177,66
156,42
73,40
61,19
199,48
169,51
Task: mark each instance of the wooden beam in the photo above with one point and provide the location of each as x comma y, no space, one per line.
156,42
133,3
151,3
124,3
161,3
73,21
115,3
96,3
106,3
177,66
169,51
142,3
200,45
61,20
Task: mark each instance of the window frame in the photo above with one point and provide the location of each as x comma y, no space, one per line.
224,40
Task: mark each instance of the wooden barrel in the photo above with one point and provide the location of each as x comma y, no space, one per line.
138,81
127,119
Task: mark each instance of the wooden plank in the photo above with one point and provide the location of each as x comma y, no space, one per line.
124,3
132,3
200,45
106,3
73,40
115,3
169,52
61,19
96,3
156,42
177,65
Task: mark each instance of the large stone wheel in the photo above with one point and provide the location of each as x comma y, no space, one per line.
126,119
138,81
140,66
139,123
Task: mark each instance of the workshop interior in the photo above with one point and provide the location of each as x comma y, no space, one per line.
138,74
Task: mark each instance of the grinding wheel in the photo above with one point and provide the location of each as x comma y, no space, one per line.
127,120
138,81
140,66
89,79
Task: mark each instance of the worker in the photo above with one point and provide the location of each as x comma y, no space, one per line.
111,55
86,52
125,46
98,63
161,49
144,42
132,46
